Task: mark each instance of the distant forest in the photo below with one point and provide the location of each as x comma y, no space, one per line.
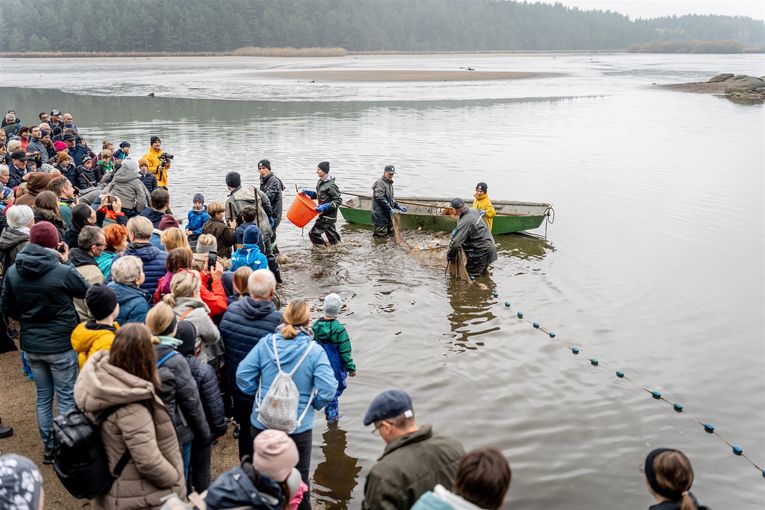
356,25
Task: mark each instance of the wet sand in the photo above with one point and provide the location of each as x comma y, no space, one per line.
697,87
402,75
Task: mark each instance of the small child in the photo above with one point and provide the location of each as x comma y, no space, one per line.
333,337
197,217
249,254
147,178
249,214
96,335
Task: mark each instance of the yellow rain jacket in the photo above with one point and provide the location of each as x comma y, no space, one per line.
152,159
86,341
484,204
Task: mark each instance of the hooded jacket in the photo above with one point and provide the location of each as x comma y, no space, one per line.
38,292
12,241
383,201
37,182
249,255
141,425
89,337
258,370
484,204
241,198
152,159
473,236
243,487
153,263
134,303
87,267
197,219
153,215
245,322
442,499
209,395
327,192
128,186
207,333
272,186
78,153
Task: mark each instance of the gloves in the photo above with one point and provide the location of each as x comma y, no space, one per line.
402,208
483,213
323,208
393,211
309,192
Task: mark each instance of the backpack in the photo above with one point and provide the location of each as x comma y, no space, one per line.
79,457
278,409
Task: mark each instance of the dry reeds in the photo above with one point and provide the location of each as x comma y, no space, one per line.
251,51
106,54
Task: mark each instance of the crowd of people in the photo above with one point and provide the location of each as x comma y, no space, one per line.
166,336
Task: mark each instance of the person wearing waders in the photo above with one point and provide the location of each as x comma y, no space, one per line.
473,236
384,205
329,199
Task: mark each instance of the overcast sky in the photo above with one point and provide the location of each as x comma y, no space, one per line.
656,8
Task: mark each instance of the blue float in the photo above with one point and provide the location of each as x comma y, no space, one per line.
575,349
678,407
737,450
708,427
620,374
594,362
656,394
520,315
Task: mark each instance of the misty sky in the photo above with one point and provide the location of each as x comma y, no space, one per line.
656,8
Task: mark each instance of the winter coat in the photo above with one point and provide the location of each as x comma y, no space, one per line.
333,337
142,426
12,241
441,499
240,198
153,215
410,466
197,219
675,505
473,236
134,303
245,322
37,182
153,263
88,268
89,337
272,186
38,292
149,181
207,334
484,204
209,394
152,159
105,261
181,397
223,234
37,146
244,487
327,192
70,235
15,175
249,255
258,369
77,153
88,177
128,187
383,201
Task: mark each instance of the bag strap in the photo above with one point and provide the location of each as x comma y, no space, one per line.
308,404
302,358
185,313
122,463
164,358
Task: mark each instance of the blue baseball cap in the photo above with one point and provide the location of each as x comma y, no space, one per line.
389,404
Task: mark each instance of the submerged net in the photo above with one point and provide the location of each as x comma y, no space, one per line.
457,267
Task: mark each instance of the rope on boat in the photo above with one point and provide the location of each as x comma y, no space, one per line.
656,394
549,218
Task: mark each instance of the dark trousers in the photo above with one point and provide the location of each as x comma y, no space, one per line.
383,231
324,226
304,442
242,414
201,452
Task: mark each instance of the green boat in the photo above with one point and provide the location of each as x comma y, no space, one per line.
436,214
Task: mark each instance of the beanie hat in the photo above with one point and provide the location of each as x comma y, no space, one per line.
198,197
124,144
86,158
324,166
44,133
275,454
101,301
154,139
20,482
251,235
59,146
186,332
265,163
233,180
44,234
168,221
62,157
482,186
332,304
207,248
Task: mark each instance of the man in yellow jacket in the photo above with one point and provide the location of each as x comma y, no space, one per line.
156,166
482,203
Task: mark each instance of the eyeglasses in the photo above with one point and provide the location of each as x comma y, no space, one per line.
99,244
376,430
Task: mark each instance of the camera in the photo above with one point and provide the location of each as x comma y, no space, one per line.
212,260
61,247
165,158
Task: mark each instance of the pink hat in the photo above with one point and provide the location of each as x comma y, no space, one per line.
59,145
275,454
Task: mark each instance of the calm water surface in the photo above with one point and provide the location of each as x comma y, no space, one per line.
655,263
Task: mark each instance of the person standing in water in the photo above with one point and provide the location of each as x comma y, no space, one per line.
384,204
482,203
473,236
329,198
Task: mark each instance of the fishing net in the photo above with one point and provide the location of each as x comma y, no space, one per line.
430,250
457,267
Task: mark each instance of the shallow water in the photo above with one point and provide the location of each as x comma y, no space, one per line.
655,264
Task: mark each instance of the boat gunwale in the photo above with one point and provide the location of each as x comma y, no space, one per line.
428,203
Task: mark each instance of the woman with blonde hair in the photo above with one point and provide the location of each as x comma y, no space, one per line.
186,299
669,477
292,350
173,238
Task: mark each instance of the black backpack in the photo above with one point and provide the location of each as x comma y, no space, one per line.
79,457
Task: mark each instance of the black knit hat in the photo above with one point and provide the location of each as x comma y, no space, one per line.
101,301
233,180
264,163
324,166
154,139
482,186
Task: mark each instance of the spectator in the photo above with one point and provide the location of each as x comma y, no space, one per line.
139,233
88,175
249,254
115,236
38,292
18,166
206,245
90,244
147,178
16,235
415,459
215,226
96,334
82,216
128,187
669,477
160,203
37,182
173,237
65,192
123,152
36,146
21,484
127,277
127,378
197,217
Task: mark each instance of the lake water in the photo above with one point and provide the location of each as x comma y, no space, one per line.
655,263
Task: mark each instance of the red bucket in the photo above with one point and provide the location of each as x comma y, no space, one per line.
302,210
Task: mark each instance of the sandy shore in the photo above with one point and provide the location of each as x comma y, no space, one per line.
698,87
401,75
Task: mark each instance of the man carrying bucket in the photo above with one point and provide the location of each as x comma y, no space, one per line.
329,198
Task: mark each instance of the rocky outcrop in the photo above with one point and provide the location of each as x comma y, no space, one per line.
740,88
720,77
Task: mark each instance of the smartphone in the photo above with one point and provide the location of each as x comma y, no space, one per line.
61,247
212,259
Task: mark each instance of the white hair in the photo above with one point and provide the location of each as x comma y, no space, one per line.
4,169
20,216
261,283
125,269
14,145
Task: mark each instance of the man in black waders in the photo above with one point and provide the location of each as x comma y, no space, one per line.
384,204
329,200
473,236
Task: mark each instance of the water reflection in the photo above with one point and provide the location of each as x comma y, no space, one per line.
523,246
471,314
336,477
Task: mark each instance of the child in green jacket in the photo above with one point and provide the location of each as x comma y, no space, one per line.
333,337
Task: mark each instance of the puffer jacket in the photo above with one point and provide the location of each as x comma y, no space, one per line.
128,187
197,313
272,186
241,198
142,426
37,182
180,395
209,393
153,264
154,216
12,241
327,192
258,370
149,181
383,201
197,220
78,153
87,267
245,322
244,487
89,337
38,292
134,303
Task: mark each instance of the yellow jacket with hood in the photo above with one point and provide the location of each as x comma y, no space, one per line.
484,204
89,337
152,159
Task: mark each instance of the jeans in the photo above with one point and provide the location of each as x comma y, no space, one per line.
304,443
53,372
186,455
